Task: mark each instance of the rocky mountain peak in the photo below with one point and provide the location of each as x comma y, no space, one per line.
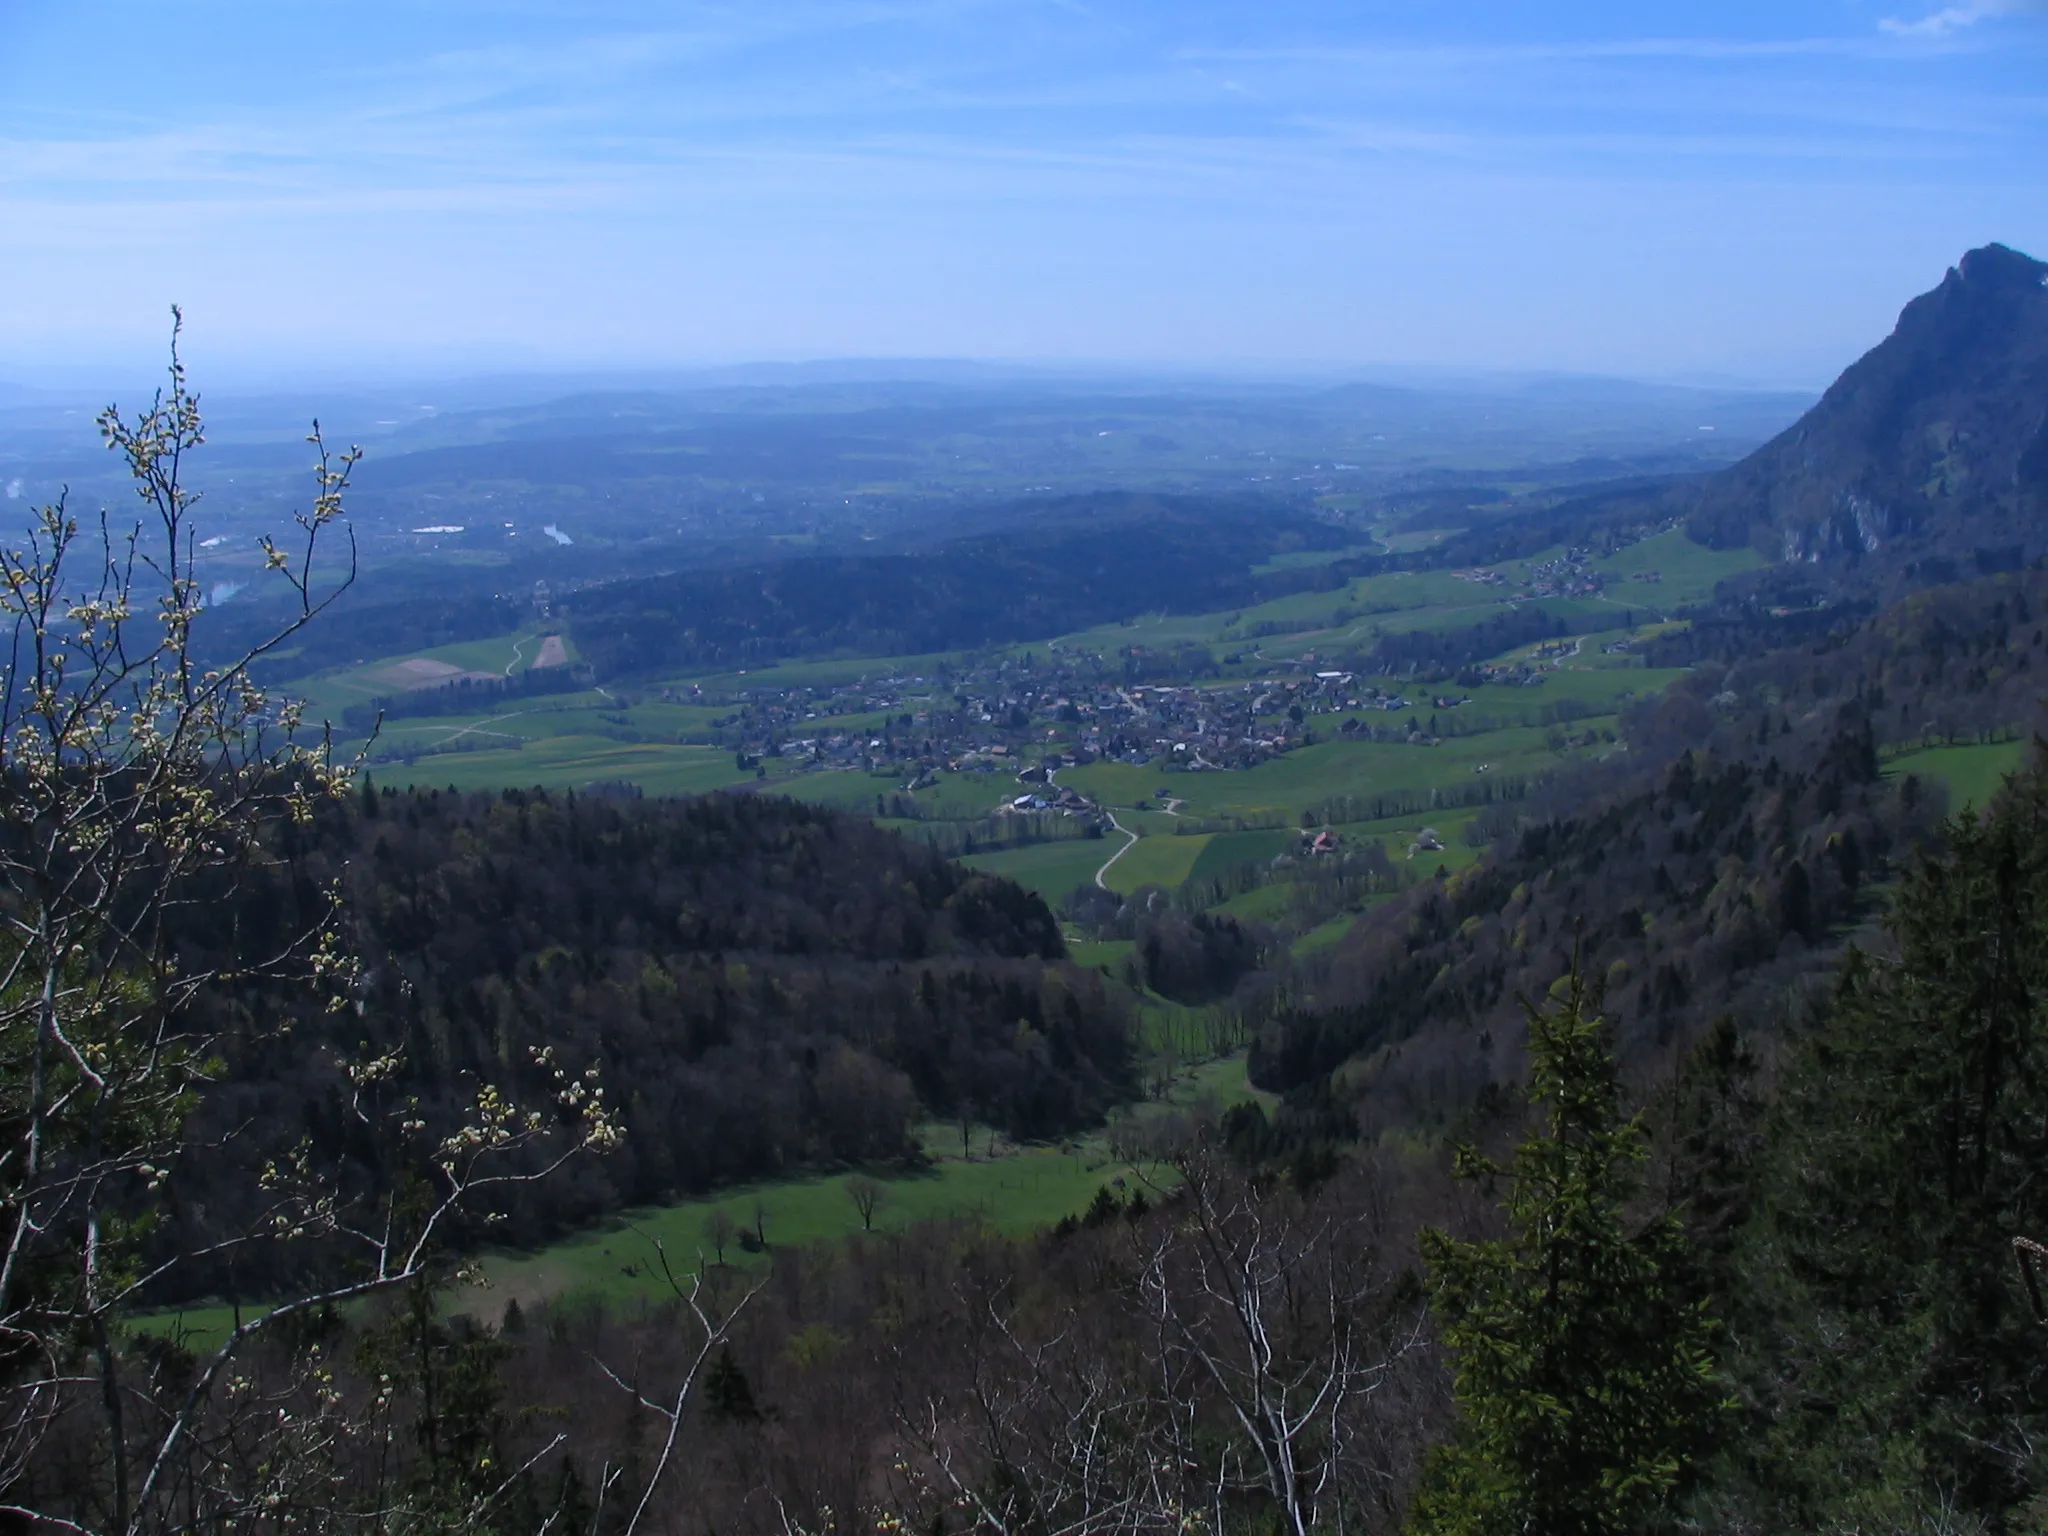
1932,447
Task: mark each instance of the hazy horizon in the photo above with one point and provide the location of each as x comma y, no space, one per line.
243,380
464,188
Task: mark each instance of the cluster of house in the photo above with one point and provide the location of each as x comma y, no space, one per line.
1038,715
1510,674
1571,574
1054,797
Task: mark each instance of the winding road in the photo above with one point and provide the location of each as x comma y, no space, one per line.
1101,883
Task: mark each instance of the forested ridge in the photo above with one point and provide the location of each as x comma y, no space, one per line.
1742,838
1058,566
1781,1297
760,985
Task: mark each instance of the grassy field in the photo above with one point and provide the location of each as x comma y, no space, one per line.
500,656
1690,571
573,762
1053,870
1225,851
1019,1189
1156,860
825,673
1972,773
1286,786
1323,935
1016,1189
1107,953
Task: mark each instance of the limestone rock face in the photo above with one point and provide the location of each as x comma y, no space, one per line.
1933,445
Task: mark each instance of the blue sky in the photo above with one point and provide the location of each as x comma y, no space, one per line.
1662,190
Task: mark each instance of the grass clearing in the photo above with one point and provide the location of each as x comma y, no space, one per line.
1053,870
574,762
1323,935
1156,860
1018,1190
1109,954
1972,773
1688,572
1225,851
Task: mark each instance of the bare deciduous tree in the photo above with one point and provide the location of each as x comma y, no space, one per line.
712,1323
1257,1356
719,1228
136,782
867,1196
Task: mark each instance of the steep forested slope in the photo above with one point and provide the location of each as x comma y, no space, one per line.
761,985
1722,858
1934,443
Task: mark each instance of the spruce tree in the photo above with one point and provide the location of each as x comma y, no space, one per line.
1896,1369
728,1395
1582,1364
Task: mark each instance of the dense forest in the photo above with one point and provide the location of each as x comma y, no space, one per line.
1774,1315
1059,566
761,986
1746,831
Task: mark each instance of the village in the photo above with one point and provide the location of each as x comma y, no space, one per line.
1027,716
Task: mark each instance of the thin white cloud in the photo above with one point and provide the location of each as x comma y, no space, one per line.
1706,49
1952,19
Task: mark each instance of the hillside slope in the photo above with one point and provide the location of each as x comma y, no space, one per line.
762,986
1933,444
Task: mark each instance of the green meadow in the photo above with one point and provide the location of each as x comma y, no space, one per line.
574,762
1015,1189
1972,773
1053,870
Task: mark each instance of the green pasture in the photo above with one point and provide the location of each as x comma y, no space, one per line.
1420,538
517,724
571,762
1265,904
1582,679
1147,822
1025,1189
1397,839
1302,559
1323,935
1156,860
1110,953
1053,870
1153,630
1020,1189
365,680
1225,851
1972,773
1016,1189
848,789
1690,571
1286,786
825,673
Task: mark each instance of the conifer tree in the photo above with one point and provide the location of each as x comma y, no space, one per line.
1896,1368
1582,1367
728,1395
